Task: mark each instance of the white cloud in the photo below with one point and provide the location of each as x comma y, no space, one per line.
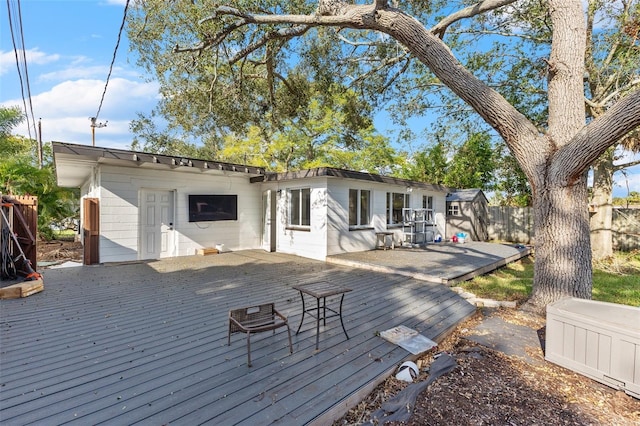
65,110
34,56
122,99
75,72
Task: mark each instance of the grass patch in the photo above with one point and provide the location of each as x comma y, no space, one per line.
64,235
512,282
615,280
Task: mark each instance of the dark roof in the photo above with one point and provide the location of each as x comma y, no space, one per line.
74,162
465,195
347,174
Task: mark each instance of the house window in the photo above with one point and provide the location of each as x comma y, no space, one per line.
395,203
427,204
300,207
453,210
359,207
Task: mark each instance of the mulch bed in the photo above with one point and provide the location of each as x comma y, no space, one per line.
491,388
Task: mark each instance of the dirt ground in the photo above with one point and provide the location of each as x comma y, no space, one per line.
490,388
59,251
486,388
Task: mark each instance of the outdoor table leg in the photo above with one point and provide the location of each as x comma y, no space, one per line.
342,323
324,311
318,321
303,312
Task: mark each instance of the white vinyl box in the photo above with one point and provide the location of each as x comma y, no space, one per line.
598,339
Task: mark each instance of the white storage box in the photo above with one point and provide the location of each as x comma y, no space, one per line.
598,339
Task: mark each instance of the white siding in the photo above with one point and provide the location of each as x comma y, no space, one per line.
340,239
119,190
120,201
310,243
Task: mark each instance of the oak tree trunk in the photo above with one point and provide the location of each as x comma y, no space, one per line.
563,250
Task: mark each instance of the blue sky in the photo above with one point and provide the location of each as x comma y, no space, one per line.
69,47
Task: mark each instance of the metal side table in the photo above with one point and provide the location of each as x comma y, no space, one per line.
321,290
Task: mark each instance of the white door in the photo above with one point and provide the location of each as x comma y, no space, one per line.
156,222
268,220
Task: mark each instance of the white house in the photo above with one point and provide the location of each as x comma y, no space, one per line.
147,206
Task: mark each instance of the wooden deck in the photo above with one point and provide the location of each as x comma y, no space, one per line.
146,343
443,263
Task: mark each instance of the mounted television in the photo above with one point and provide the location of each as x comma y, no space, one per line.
207,208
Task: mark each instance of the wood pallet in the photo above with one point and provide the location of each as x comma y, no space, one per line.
207,251
23,289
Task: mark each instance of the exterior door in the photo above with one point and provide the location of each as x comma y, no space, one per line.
91,231
156,222
269,220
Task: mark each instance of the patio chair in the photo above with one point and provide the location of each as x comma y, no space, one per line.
255,319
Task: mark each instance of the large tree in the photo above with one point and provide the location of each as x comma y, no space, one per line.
266,110
612,70
473,164
554,158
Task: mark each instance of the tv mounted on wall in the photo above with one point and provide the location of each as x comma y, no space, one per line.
207,208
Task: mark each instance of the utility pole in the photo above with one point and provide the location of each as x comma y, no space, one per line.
40,143
93,128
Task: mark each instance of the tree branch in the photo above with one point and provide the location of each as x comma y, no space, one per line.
343,17
594,139
388,62
211,41
512,125
619,167
617,92
468,12
508,34
284,33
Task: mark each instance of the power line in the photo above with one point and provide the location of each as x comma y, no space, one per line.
15,51
15,19
113,60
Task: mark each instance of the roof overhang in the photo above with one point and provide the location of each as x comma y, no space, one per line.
74,163
331,172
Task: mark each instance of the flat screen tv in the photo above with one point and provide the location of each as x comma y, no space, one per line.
207,208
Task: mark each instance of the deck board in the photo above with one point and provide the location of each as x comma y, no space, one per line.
147,342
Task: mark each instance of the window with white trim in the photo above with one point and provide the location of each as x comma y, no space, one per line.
300,207
359,207
453,210
396,201
427,203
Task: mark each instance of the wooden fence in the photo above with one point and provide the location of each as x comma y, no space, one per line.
515,224
626,229
23,218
